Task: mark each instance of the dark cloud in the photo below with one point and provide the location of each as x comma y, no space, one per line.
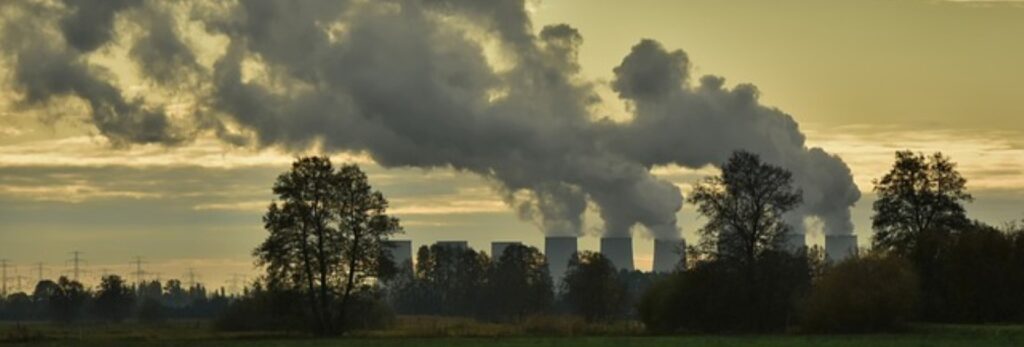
650,72
43,69
418,84
90,23
159,51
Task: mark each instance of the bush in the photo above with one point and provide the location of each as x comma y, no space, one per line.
151,311
367,310
264,310
719,296
870,294
978,278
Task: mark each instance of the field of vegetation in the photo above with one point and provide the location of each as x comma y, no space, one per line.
431,331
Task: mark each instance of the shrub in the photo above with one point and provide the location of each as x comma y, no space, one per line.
869,294
367,310
264,310
721,296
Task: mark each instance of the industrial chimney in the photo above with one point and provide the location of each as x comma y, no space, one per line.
840,247
669,255
558,250
795,242
498,248
401,252
619,250
455,245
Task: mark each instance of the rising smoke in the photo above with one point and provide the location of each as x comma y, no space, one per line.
459,84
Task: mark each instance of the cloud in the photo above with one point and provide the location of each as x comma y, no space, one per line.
699,123
449,84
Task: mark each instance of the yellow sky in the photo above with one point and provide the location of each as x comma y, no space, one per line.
891,62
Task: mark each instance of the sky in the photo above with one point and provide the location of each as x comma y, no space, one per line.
161,137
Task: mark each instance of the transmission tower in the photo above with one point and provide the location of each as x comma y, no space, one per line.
138,270
191,275
76,265
19,279
39,269
233,283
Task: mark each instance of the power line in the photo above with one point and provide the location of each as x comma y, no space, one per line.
191,277
19,279
76,262
138,270
39,268
233,283
3,277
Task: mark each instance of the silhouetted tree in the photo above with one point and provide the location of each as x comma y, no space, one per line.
114,300
744,208
41,298
67,300
592,288
716,295
919,200
519,284
743,278
453,279
978,278
174,294
326,235
16,306
863,294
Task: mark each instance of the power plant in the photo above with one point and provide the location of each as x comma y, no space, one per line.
795,242
401,252
558,250
498,248
840,247
619,250
669,255
457,245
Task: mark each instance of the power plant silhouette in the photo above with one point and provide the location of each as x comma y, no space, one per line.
669,254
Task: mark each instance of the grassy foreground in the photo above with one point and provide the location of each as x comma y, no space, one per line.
445,332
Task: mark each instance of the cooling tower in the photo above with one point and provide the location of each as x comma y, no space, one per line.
498,248
669,255
401,252
619,250
795,242
459,245
558,250
840,247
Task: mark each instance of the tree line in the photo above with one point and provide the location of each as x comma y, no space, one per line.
327,266
66,301
928,261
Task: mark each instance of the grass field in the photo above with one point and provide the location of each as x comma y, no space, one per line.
463,333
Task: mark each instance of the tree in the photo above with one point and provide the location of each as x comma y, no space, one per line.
67,300
519,284
978,276
920,199
44,290
452,279
326,234
863,294
114,300
16,307
592,288
744,208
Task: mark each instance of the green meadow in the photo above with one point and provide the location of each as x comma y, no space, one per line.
447,332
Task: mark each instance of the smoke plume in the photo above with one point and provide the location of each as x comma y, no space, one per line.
457,84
